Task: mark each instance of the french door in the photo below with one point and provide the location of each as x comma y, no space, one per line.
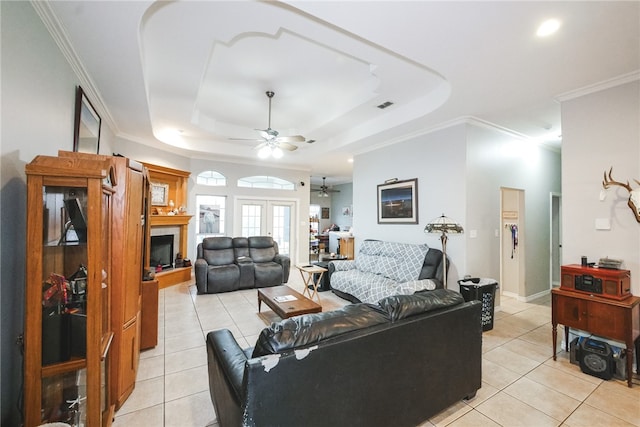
255,217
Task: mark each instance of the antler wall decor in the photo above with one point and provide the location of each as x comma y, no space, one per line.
634,195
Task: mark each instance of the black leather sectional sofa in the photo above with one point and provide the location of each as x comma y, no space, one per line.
396,363
227,264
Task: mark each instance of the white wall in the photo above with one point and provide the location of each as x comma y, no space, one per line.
460,171
494,160
38,104
601,130
438,161
339,201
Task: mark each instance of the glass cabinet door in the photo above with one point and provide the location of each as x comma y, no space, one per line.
67,331
64,302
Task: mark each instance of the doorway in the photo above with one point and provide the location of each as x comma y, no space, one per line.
512,243
555,240
255,217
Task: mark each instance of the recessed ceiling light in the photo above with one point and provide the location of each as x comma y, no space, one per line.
548,27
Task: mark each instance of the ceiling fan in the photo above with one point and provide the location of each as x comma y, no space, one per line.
271,143
324,191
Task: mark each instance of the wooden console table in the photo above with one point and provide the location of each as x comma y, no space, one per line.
608,318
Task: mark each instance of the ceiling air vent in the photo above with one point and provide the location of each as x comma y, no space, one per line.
385,105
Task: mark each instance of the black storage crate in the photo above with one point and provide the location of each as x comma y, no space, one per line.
483,290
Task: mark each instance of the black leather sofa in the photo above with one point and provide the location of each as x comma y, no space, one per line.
225,264
396,363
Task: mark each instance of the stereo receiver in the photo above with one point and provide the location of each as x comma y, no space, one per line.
606,283
588,283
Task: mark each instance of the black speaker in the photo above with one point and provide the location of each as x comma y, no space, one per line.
596,358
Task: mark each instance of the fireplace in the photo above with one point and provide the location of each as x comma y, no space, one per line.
161,251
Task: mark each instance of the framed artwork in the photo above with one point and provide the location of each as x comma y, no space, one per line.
398,202
209,219
86,131
325,213
159,194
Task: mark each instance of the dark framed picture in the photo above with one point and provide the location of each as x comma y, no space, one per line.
325,213
398,202
86,132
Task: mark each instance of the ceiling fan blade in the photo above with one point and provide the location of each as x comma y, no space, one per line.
259,146
264,134
287,146
292,138
246,139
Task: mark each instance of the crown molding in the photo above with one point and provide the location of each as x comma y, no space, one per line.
462,120
59,35
600,86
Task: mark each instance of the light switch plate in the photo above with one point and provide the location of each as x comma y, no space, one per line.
603,224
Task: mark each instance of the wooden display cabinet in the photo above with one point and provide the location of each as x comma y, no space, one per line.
68,291
129,218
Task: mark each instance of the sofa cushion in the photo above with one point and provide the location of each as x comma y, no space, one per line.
406,288
402,306
241,247
267,274
398,261
368,287
262,249
225,278
309,329
218,250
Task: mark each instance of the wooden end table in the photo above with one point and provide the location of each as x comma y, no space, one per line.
286,302
605,317
307,272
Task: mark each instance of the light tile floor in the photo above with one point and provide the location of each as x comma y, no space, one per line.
521,384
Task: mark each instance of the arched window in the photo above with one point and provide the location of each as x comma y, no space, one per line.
266,182
212,178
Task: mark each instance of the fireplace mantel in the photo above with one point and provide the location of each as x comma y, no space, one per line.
168,220
175,181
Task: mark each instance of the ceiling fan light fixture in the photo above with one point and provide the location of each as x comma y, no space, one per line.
276,152
264,152
272,144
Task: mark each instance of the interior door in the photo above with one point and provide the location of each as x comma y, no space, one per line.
266,218
512,267
556,239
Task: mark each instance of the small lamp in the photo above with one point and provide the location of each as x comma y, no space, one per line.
444,225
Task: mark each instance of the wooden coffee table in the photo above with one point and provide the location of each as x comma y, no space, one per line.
288,307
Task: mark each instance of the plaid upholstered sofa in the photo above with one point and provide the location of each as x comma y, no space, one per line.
382,269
